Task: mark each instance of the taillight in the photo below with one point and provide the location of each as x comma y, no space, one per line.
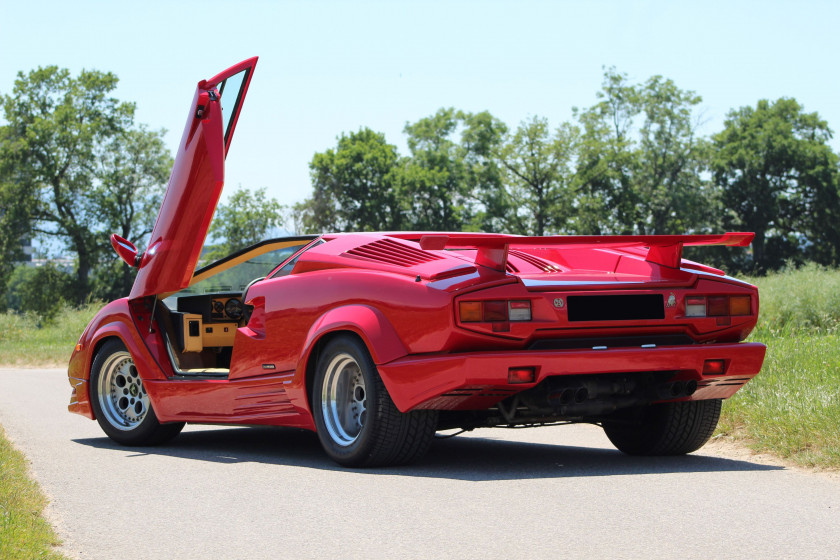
695,306
494,311
714,367
739,305
521,375
717,306
519,310
470,311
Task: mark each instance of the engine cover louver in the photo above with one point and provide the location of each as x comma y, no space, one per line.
392,252
536,262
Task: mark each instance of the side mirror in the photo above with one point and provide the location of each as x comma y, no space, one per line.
126,250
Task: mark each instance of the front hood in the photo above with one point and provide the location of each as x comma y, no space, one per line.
195,183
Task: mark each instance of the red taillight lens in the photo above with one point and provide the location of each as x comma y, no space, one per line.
714,367
495,311
717,306
522,375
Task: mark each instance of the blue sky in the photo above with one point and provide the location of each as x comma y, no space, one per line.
327,67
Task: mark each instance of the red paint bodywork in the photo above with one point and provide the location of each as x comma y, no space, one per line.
399,294
192,193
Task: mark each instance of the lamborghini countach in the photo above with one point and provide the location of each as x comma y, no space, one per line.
376,341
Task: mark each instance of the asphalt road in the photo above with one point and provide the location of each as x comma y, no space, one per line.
560,492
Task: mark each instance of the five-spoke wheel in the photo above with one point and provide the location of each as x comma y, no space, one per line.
357,422
343,399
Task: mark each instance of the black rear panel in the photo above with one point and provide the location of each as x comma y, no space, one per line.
616,308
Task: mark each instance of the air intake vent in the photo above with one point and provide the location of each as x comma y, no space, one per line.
392,252
536,262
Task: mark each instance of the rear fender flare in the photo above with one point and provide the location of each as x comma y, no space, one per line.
368,323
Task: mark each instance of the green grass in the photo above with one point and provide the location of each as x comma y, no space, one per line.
792,408
25,342
24,533
797,302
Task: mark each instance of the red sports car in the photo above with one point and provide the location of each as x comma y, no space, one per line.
377,340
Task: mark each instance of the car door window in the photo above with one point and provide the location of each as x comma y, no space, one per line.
230,93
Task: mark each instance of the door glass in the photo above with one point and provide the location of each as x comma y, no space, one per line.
230,92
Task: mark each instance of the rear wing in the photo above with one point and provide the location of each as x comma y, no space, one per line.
492,248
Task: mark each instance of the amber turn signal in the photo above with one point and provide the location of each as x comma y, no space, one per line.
470,311
739,305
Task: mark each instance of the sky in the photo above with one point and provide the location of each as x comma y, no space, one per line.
328,67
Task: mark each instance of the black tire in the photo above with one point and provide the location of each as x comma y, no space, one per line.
664,429
357,422
120,402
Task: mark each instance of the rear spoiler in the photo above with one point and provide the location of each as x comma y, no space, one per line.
493,248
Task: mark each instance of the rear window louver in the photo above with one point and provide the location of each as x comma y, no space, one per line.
536,262
392,252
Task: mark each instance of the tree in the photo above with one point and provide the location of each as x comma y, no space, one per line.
354,186
779,178
433,180
650,182
246,219
538,175
131,169
38,290
14,226
482,136
59,129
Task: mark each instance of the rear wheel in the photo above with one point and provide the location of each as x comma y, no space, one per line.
358,423
120,402
664,429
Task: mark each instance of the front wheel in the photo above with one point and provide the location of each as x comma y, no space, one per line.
664,429
120,402
357,422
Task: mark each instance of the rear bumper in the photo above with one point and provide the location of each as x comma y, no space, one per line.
479,380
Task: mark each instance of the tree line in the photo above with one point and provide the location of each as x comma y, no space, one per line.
75,167
632,163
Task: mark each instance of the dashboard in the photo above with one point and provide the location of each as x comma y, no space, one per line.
207,321
213,307
224,309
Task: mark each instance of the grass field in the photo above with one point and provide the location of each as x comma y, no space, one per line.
24,533
24,342
792,408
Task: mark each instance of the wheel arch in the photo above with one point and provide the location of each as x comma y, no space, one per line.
367,324
105,332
